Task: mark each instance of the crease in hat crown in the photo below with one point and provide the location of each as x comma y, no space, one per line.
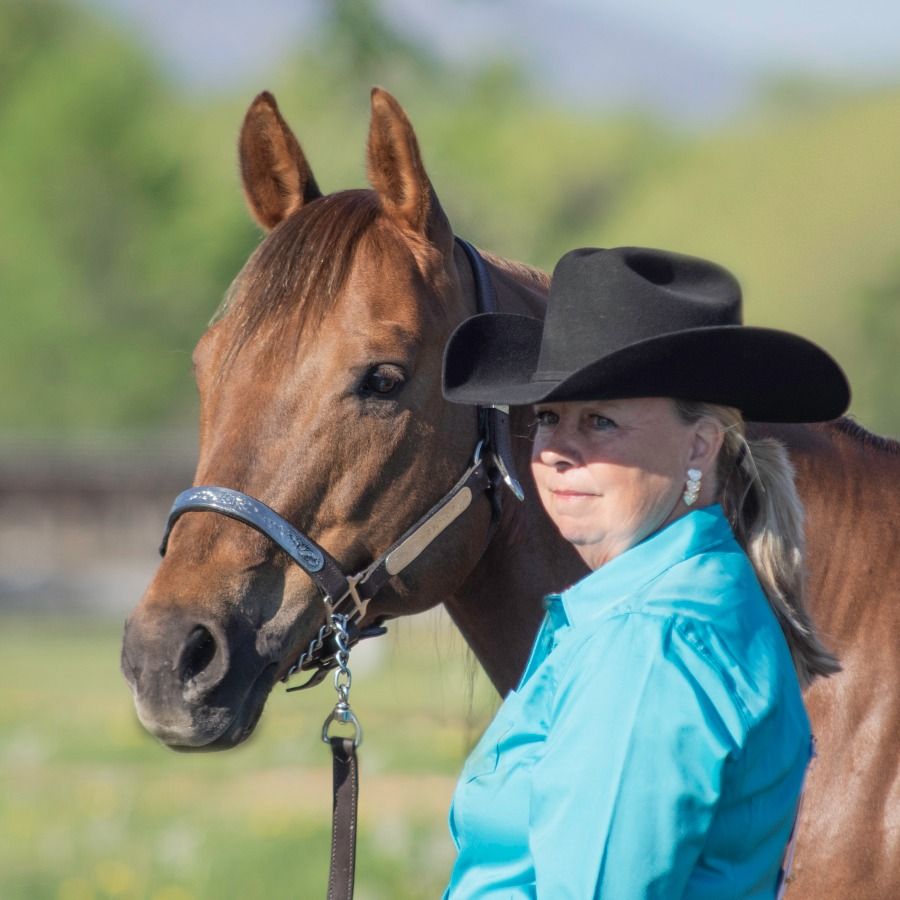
628,294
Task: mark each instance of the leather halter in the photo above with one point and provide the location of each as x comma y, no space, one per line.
349,595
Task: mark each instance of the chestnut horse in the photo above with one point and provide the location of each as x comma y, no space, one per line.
320,395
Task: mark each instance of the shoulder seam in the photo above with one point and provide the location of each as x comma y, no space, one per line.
692,638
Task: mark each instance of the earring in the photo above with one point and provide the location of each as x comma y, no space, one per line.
692,488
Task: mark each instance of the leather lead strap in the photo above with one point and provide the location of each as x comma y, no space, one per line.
343,822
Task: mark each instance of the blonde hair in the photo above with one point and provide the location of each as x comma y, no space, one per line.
755,485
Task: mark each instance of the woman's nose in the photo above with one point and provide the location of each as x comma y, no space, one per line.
556,457
558,448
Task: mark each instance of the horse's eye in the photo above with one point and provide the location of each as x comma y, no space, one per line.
384,379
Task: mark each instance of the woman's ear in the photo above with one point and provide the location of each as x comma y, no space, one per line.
705,445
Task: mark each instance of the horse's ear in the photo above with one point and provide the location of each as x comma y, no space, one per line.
277,178
396,171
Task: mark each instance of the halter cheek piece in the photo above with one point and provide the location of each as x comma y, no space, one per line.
349,595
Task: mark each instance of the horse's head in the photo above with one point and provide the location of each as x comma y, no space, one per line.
320,395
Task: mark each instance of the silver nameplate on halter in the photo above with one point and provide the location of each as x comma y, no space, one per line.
397,560
252,512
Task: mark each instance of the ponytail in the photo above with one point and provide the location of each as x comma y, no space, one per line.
756,488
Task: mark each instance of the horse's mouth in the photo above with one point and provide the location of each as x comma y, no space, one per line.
245,722
216,728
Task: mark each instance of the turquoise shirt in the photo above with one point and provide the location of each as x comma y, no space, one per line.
656,745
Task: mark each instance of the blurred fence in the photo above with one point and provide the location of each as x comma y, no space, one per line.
80,524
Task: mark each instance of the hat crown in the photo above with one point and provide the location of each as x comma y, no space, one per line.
603,300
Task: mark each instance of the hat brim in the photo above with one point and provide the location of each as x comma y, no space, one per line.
770,375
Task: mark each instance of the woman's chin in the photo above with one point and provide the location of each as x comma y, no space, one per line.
579,527
594,549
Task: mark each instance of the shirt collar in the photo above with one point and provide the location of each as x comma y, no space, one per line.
698,531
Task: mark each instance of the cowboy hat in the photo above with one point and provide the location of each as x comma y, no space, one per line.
635,322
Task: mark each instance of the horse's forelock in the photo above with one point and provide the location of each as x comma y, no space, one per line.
293,278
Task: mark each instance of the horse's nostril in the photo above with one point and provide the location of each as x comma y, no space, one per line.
199,651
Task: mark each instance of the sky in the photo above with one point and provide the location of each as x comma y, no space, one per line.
699,59
817,35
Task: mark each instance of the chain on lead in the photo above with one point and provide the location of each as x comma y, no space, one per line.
343,678
315,645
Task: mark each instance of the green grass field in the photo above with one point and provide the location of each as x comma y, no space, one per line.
92,807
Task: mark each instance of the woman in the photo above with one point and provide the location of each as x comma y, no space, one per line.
657,743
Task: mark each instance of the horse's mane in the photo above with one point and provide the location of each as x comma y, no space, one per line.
520,271
854,430
300,265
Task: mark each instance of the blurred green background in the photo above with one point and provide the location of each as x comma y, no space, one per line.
122,224
91,807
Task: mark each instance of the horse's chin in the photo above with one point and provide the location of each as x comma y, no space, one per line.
209,728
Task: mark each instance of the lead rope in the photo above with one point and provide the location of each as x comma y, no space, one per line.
345,769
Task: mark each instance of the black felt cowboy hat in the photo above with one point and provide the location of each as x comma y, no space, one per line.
634,322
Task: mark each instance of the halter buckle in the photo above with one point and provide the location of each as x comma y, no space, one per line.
359,603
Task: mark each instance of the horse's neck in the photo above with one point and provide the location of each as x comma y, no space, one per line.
521,289
850,487
498,607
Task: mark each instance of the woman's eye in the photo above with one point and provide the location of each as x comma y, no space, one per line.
601,423
545,418
384,379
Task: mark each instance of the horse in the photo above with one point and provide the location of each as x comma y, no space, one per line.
320,394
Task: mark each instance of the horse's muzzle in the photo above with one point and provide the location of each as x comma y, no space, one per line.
196,685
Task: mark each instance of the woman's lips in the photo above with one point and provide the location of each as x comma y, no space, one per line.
570,495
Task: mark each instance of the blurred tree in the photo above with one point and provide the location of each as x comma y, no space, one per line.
360,41
122,221
878,387
99,276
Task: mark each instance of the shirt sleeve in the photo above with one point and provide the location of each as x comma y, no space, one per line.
625,791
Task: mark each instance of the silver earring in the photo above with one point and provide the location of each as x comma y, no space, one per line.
692,488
